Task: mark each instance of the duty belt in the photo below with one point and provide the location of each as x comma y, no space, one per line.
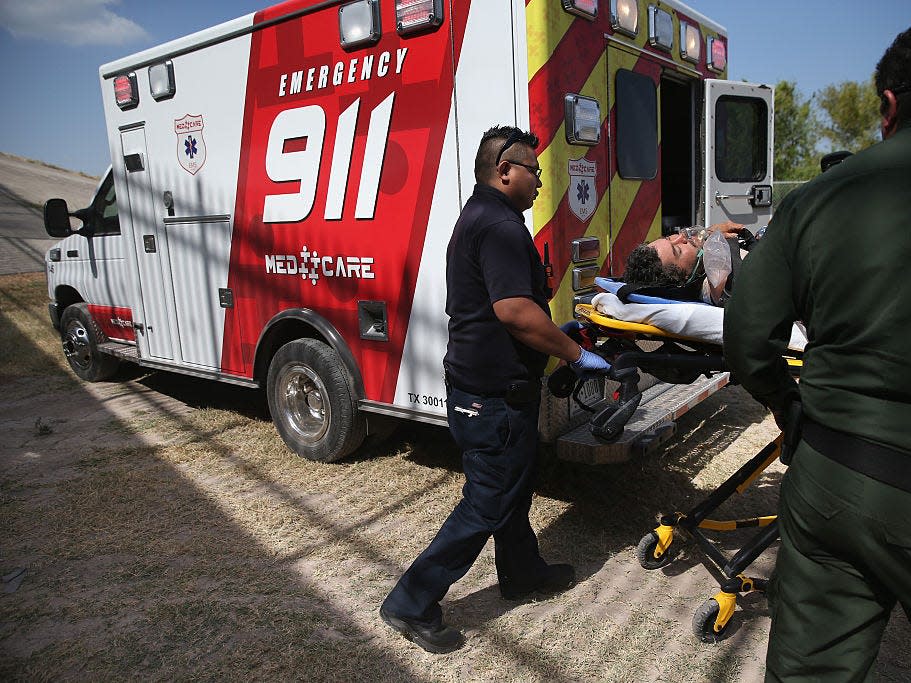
884,464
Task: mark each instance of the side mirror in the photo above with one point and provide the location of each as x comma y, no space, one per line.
57,218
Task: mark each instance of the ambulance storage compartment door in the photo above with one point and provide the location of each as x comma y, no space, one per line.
738,153
151,319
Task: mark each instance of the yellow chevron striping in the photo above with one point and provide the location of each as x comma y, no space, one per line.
553,158
545,25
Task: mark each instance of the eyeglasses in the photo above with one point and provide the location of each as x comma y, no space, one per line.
534,169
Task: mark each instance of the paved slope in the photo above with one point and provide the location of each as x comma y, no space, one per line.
24,187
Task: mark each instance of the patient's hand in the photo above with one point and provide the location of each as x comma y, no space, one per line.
728,229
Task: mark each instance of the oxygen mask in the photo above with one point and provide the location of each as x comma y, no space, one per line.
695,235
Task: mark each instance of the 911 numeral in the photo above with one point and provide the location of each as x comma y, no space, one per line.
304,165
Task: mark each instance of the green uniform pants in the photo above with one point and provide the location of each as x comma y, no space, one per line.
844,560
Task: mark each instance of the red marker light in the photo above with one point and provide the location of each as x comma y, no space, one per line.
125,91
719,55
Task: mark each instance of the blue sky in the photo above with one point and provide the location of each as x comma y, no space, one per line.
50,51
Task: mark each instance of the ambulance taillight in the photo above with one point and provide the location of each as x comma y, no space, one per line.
125,91
583,8
624,16
582,119
689,42
660,28
417,15
717,54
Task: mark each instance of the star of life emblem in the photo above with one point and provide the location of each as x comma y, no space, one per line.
583,193
191,147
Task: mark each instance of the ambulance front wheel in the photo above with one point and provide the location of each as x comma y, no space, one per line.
81,335
312,402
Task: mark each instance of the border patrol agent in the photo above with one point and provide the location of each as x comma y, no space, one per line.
500,336
836,255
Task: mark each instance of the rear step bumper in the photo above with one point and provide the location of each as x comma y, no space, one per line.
651,425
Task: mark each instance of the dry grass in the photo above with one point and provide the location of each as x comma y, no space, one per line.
168,534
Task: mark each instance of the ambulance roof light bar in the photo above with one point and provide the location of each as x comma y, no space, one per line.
359,24
161,80
412,16
582,8
624,16
126,92
716,54
583,120
660,28
690,42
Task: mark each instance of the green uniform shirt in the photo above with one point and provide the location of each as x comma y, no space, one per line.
837,255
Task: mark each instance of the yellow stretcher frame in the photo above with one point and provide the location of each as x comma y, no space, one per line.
631,329
711,619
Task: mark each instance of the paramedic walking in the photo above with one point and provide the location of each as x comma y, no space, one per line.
836,256
500,337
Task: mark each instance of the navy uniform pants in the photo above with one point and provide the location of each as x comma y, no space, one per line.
844,561
499,451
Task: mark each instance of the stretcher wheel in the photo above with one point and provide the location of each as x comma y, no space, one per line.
704,622
645,552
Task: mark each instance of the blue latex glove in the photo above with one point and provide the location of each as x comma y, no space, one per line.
589,363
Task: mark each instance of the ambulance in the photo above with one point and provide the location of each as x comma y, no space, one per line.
283,187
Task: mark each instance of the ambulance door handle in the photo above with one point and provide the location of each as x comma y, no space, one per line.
719,196
759,195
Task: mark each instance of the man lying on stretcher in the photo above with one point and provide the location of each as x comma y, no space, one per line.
694,264
693,267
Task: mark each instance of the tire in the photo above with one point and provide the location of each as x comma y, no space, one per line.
645,552
704,622
312,402
81,335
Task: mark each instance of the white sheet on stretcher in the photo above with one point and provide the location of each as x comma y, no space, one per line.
696,321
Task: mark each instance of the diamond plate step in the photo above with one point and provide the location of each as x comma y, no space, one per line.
651,424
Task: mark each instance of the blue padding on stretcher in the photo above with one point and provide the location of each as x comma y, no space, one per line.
613,286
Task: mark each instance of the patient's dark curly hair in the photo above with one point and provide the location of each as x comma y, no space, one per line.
644,267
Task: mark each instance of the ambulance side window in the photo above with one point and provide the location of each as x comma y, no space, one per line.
637,125
105,209
740,139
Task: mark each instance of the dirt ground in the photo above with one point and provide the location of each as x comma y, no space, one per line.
165,532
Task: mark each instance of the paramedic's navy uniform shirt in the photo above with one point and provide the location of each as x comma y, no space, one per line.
491,256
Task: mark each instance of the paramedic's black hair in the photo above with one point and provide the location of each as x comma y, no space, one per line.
492,145
644,267
894,73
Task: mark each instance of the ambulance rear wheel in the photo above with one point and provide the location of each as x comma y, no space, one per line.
312,402
81,335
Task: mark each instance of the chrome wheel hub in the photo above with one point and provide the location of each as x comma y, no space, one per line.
304,402
76,345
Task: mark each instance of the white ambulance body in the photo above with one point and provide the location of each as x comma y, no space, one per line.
283,187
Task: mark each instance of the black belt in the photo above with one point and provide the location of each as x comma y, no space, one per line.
882,463
518,392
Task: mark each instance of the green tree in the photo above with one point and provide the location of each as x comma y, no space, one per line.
852,115
796,134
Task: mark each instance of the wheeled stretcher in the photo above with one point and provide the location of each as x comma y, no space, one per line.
691,350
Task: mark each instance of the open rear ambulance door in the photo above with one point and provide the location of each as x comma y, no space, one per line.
738,153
